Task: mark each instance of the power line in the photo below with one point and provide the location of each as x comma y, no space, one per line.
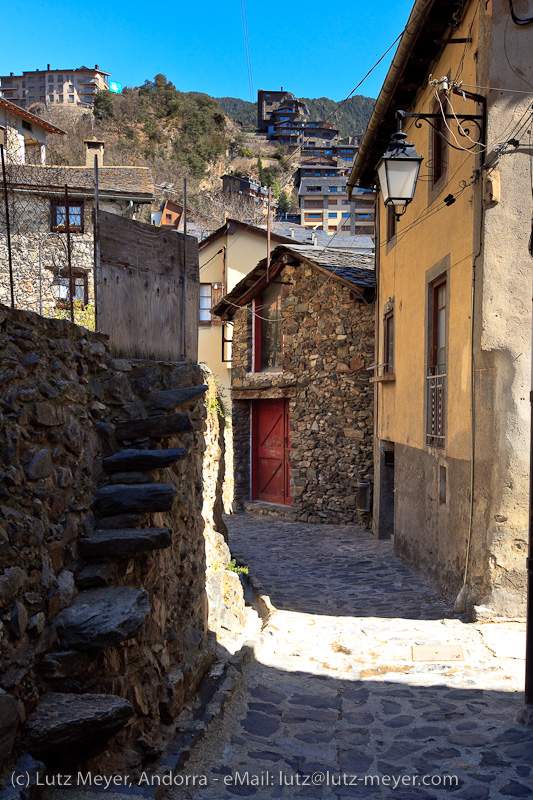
247,48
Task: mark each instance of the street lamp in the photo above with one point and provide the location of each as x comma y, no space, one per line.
398,169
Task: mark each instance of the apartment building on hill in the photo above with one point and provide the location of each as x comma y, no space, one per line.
324,205
52,86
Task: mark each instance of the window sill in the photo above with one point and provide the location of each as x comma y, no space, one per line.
387,378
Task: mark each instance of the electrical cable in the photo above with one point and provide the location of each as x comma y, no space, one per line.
525,80
469,36
247,48
519,20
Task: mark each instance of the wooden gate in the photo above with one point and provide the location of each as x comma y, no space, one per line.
270,451
148,290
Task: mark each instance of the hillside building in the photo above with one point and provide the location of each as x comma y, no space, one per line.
52,86
324,204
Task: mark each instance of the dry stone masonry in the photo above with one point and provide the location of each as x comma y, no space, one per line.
328,345
103,605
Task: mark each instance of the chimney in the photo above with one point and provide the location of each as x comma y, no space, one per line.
313,239
292,233
96,66
48,67
94,147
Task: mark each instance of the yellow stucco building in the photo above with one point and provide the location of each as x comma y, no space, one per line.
453,314
226,256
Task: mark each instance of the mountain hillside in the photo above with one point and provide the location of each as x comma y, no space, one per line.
350,119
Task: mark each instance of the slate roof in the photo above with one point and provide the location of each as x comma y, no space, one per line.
342,263
322,238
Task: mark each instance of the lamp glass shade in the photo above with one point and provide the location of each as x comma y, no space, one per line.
59,291
398,172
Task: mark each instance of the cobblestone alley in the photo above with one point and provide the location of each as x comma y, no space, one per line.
362,671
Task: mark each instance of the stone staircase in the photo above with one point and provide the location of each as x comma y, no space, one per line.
104,615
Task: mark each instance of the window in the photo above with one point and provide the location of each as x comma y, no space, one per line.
388,356
205,304
50,79
60,79
31,80
59,98
71,98
391,223
26,125
436,373
313,216
345,202
268,338
345,213
51,98
333,188
439,145
81,288
333,214
75,217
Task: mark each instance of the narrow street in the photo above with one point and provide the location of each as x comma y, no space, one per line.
363,671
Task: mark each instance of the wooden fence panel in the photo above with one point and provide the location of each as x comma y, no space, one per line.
142,279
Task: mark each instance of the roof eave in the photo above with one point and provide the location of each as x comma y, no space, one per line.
427,23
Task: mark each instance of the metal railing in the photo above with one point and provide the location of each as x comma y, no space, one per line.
436,406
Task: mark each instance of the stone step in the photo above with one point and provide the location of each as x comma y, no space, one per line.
125,542
133,498
102,617
65,727
173,398
123,521
140,460
265,509
153,427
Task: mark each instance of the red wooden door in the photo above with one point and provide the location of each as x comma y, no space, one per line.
270,451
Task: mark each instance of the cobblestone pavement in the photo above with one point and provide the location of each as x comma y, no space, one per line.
363,680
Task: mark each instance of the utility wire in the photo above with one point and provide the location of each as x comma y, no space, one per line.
247,48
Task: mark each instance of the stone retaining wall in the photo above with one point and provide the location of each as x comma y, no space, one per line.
60,397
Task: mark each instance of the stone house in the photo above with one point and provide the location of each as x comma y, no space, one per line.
303,340
453,310
37,213
23,135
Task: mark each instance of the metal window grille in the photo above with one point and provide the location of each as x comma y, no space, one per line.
436,406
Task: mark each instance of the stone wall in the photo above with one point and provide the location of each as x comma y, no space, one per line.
62,401
37,257
328,344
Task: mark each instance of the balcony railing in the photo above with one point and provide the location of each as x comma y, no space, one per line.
436,395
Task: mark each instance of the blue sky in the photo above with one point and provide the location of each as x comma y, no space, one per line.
313,49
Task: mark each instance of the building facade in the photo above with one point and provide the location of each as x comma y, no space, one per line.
41,199
324,203
453,314
51,86
303,335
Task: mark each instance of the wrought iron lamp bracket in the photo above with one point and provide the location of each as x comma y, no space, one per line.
475,137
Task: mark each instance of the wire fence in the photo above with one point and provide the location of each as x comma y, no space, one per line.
47,242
